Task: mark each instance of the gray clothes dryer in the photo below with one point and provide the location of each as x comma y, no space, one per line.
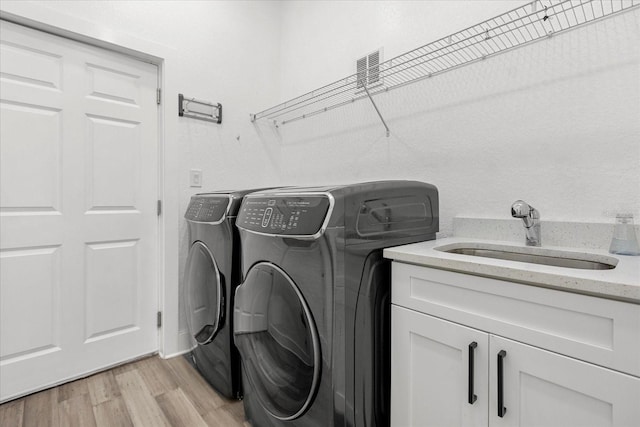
211,275
312,315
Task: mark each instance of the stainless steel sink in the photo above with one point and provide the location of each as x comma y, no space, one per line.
553,258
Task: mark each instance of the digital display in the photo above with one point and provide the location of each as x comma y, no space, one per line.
284,215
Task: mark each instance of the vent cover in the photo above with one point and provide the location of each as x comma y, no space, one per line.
361,66
368,70
374,67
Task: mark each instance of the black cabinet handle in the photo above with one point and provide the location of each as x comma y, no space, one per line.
472,397
501,409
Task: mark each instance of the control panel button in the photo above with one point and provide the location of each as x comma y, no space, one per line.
286,216
267,217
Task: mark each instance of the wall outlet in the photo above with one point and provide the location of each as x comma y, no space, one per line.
195,178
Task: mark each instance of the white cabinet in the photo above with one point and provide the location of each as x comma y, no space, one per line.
542,388
446,345
430,372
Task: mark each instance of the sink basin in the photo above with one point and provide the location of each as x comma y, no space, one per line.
533,255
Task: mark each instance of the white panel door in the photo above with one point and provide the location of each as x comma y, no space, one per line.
78,222
541,389
439,374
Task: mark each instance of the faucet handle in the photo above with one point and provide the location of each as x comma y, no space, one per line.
531,218
521,209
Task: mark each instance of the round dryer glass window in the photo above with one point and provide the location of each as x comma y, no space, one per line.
203,291
278,341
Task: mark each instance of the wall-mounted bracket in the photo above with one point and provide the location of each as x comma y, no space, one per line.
377,110
201,110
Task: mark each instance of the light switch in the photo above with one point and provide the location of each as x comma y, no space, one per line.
195,178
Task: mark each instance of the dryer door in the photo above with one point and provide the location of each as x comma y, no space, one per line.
278,341
204,294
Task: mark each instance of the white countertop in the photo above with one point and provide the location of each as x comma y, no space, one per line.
620,283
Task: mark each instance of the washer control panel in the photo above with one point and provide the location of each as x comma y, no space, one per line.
207,208
284,215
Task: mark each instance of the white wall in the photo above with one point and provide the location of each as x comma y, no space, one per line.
556,123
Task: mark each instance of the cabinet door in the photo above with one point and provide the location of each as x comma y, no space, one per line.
541,388
431,371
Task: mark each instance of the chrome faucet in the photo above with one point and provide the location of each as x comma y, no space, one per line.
531,218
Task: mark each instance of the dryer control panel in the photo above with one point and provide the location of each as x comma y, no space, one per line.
207,208
284,215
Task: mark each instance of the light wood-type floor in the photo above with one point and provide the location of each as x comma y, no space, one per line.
150,392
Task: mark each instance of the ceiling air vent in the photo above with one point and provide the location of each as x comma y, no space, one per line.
368,70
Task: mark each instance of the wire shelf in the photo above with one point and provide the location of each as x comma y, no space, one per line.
528,23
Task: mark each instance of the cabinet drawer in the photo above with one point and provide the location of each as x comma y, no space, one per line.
596,330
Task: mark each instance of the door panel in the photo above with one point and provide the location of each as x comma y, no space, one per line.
112,145
79,184
28,64
41,141
30,289
112,85
111,296
543,388
431,370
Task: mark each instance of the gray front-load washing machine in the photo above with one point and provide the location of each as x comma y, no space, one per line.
312,315
211,275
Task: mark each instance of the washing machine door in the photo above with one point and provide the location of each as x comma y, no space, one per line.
204,294
278,341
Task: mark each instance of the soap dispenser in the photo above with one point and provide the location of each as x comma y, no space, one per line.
624,241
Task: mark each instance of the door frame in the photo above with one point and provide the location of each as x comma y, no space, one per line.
51,21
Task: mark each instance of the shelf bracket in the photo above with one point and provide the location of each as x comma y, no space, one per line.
201,110
377,110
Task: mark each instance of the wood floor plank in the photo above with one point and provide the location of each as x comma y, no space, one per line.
179,409
102,387
204,398
113,412
222,418
11,413
149,392
126,367
142,407
72,389
236,409
41,409
157,375
77,411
